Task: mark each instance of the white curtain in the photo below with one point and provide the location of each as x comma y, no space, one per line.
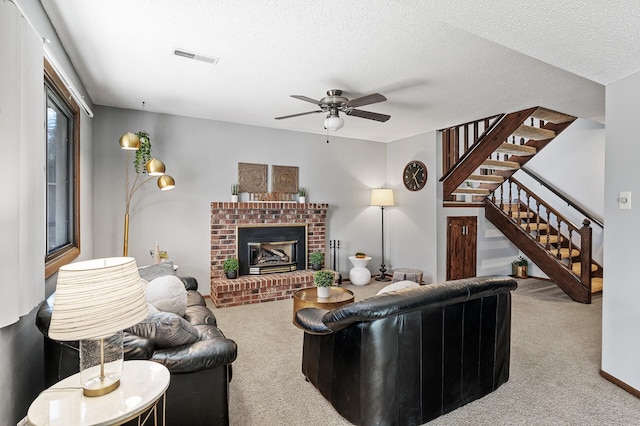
22,166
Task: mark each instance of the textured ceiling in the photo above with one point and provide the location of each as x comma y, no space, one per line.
438,62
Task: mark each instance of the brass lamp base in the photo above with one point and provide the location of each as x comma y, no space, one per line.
98,387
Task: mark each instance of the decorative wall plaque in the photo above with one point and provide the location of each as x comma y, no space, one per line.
252,177
284,179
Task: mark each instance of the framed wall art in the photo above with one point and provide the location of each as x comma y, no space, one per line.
284,179
252,177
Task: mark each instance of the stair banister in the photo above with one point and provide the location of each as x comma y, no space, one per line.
563,197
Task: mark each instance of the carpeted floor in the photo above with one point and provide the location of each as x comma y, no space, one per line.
555,362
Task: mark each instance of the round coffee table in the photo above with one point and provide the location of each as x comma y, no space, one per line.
308,298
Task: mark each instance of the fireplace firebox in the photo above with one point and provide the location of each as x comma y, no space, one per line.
271,249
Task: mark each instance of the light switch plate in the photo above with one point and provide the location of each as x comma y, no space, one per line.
624,200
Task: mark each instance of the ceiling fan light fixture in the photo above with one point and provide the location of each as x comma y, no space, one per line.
333,123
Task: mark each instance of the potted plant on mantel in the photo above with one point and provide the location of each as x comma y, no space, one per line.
302,195
234,193
231,266
519,267
316,259
323,280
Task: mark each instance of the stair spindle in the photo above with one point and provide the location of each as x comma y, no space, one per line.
570,247
528,212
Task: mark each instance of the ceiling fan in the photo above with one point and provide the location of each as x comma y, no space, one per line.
334,103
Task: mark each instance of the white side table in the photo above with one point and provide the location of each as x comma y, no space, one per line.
142,385
360,274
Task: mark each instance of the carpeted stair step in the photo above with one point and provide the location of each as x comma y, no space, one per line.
548,115
485,179
465,190
552,239
542,227
534,133
596,285
499,165
565,254
577,267
514,149
520,214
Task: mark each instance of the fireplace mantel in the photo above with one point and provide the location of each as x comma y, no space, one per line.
227,216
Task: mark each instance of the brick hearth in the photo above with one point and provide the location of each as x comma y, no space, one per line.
226,217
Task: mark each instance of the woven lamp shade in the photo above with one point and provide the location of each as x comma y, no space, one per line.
97,298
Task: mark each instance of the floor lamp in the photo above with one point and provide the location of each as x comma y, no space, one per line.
383,198
154,168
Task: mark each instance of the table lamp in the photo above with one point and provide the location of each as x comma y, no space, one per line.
95,300
382,197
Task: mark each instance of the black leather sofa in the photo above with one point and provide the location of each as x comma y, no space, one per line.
409,356
200,371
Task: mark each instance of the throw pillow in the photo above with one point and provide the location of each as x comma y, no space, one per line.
166,330
168,294
398,286
152,272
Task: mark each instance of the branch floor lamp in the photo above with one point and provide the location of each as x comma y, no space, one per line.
382,197
153,168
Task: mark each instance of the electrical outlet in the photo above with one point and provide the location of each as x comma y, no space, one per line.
624,200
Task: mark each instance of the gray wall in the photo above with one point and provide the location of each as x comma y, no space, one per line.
620,313
410,225
203,157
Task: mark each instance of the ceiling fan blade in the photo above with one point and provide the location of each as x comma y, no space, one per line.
366,100
369,115
298,115
307,99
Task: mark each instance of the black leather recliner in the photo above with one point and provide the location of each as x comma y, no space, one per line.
198,393
409,356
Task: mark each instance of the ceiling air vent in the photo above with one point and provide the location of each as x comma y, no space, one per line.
198,57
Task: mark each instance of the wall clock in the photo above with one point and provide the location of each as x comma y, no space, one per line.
414,175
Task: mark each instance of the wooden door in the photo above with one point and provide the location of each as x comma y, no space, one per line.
462,234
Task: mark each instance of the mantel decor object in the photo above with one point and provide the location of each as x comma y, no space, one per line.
252,177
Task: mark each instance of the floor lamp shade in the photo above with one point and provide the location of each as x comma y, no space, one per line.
382,197
95,300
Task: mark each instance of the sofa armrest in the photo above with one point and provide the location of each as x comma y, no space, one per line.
137,347
310,320
201,355
190,283
200,315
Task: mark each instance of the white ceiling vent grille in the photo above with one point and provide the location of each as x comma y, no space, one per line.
198,57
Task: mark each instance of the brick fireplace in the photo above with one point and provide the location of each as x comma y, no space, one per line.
226,217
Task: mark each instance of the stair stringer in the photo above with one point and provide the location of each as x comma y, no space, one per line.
490,142
549,264
482,149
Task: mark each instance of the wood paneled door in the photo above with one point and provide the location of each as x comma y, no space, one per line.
462,234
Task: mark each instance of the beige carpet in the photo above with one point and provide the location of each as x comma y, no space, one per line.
555,361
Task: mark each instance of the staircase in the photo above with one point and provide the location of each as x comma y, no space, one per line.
478,156
556,245
479,159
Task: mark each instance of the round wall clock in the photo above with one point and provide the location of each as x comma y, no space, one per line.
414,175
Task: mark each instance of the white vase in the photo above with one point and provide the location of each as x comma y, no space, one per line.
234,198
323,292
360,274
302,199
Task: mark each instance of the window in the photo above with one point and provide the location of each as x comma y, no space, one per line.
62,118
